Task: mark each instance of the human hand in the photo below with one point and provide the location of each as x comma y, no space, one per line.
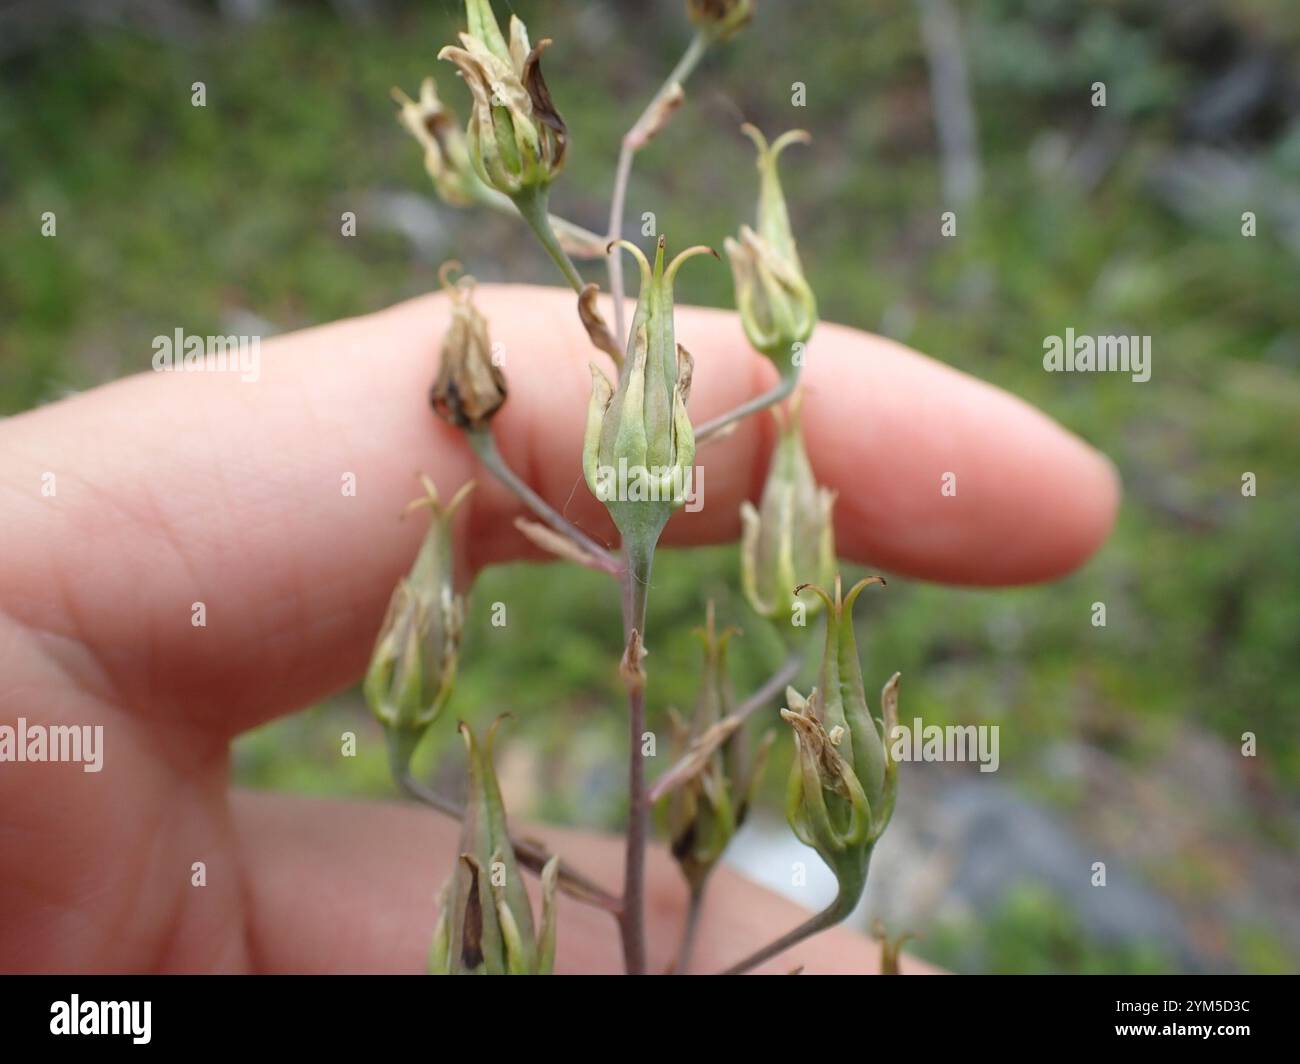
173,489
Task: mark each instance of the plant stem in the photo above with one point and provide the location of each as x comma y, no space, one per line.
761,402
531,855
636,590
632,918
532,205
832,915
636,576
693,909
484,445
592,244
775,685
633,141
694,759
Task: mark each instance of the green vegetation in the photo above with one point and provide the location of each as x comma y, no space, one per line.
1033,933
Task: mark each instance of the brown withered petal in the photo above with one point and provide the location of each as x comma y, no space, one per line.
683,845
597,331
724,17
662,110
685,371
578,242
437,123
552,541
631,666
540,95
465,405
470,387
472,939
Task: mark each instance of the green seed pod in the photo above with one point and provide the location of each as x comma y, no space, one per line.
706,811
639,449
517,140
777,308
790,539
720,19
413,667
485,923
843,784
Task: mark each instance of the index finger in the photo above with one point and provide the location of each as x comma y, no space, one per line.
199,487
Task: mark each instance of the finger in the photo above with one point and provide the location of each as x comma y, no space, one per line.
175,490
352,887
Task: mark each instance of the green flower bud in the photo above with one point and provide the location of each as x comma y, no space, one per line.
470,388
640,448
446,153
485,923
517,139
413,666
777,307
706,811
720,19
843,784
790,539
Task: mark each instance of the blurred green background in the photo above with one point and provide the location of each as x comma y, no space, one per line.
1120,743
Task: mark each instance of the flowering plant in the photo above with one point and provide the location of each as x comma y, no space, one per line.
639,461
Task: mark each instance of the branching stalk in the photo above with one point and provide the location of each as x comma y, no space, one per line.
829,917
639,560
687,946
592,244
529,853
633,141
723,422
484,445
693,761
533,208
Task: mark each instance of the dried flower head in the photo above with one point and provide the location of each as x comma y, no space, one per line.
470,387
446,153
517,139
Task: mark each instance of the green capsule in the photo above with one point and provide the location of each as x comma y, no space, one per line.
639,450
777,308
413,666
706,811
485,922
843,784
790,539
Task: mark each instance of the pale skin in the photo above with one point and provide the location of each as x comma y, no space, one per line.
173,489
